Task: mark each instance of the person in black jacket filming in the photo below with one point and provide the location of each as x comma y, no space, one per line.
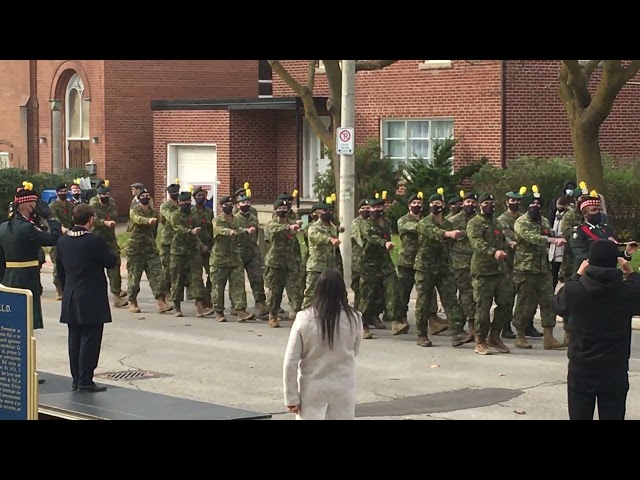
601,303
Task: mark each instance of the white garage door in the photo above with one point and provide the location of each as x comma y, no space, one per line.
194,165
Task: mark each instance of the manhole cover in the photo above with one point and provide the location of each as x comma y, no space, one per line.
131,375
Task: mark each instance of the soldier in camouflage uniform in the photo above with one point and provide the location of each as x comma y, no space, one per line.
506,222
323,244
434,270
378,278
226,262
203,217
76,193
455,206
165,234
532,272
281,265
302,271
356,250
185,262
250,253
407,230
104,226
62,211
242,192
461,257
490,277
142,254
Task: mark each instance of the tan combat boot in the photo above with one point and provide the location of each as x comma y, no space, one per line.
437,325
202,310
243,315
123,293
162,306
133,306
481,346
424,342
366,334
273,321
494,341
379,324
178,310
550,343
58,293
119,302
220,317
398,327
233,312
461,338
521,339
472,328
263,309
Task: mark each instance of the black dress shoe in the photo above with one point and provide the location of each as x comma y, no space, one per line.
508,333
532,332
91,388
40,381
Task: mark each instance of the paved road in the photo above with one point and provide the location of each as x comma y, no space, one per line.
240,365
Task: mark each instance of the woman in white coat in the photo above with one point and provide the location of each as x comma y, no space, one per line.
319,364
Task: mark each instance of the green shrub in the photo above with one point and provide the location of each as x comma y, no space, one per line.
11,178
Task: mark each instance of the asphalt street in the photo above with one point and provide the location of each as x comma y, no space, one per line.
240,365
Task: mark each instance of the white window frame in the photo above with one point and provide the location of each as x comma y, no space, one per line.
4,155
406,138
75,83
434,64
172,166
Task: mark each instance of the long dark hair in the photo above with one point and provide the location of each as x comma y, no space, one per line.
329,302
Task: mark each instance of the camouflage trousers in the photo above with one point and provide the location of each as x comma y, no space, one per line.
220,276
465,293
310,288
374,286
255,273
533,290
149,264
406,281
186,272
355,286
276,280
444,282
114,275
165,261
207,283
486,289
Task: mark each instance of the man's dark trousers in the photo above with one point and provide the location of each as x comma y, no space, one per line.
608,389
85,341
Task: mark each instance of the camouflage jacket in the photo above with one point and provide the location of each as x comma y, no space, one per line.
532,254
203,218
356,240
283,243
183,241
63,212
322,254
226,251
434,251
142,240
165,232
375,257
461,252
507,224
105,213
248,243
486,238
407,229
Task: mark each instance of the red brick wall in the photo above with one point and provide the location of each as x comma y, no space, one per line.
537,121
132,85
14,81
188,126
286,152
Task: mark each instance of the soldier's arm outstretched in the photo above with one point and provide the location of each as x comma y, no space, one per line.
138,219
318,236
478,244
530,233
174,221
220,230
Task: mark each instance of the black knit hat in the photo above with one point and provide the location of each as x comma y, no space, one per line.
603,253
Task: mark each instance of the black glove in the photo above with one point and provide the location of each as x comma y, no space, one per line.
42,210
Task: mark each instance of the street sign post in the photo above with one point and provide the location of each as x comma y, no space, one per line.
345,143
18,377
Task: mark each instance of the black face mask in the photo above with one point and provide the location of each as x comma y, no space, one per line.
200,201
365,214
455,209
416,210
514,207
104,200
375,214
281,213
62,196
436,209
185,208
326,217
488,210
144,200
562,209
470,209
534,213
227,209
76,196
173,196
595,219
245,208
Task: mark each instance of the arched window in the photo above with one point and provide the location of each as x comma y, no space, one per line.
77,110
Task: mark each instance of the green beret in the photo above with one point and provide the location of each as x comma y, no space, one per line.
486,197
514,194
364,203
375,202
455,199
198,190
184,196
173,188
471,196
414,197
102,189
280,203
436,197
226,199
530,197
239,192
244,198
286,196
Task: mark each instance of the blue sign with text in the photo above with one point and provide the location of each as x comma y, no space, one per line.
14,356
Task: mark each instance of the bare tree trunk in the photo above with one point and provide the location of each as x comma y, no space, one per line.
586,148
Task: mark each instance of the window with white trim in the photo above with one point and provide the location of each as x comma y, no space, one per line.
404,140
5,159
265,79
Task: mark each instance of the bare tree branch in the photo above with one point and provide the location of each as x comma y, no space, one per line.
589,68
311,75
631,70
577,82
369,65
566,94
277,67
334,79
610,84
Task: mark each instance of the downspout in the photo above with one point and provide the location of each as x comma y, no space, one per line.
503,115
298,156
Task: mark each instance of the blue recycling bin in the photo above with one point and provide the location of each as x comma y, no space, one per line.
48,196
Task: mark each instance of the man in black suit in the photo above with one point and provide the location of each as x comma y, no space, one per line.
81,261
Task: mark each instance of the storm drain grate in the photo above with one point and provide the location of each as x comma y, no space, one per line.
131,375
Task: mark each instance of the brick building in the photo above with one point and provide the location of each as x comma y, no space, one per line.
57,114
498,109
